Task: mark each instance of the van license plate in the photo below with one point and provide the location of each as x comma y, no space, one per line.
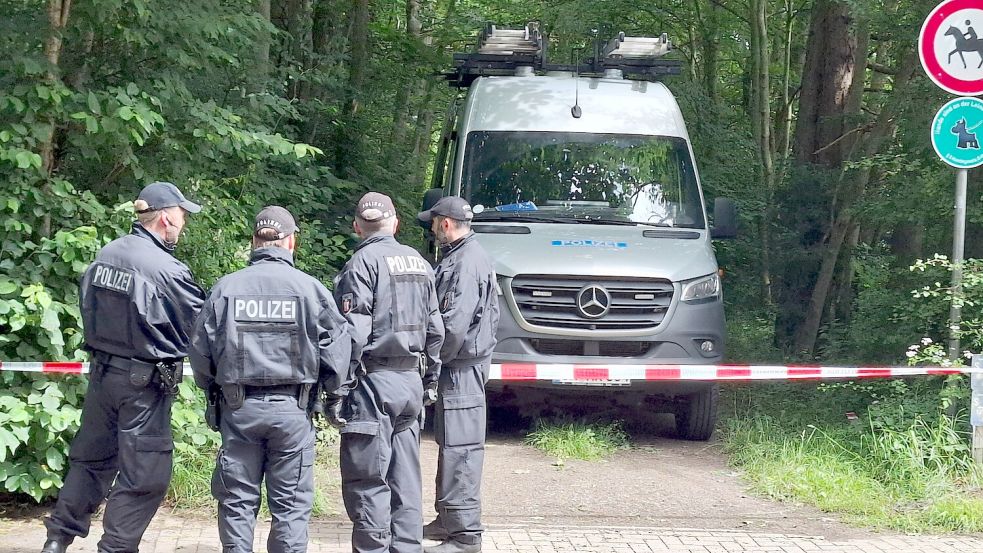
618,382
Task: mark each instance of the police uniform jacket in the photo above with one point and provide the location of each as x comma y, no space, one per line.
387,292
467,293
269,325
138,301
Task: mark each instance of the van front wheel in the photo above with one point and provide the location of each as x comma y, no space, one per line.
697,416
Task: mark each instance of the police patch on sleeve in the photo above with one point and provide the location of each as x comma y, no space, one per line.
265,309
112,278
346,302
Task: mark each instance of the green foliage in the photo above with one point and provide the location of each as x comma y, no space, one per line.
577,440
900,462
39,415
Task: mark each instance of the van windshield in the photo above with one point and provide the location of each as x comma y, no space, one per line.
581,177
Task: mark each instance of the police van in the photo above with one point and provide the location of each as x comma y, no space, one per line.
586,194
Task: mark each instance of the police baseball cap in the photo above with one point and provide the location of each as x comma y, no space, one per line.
160,195
454,207
375,207
276,218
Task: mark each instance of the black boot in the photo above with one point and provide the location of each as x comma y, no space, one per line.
53,546
434,530
450,545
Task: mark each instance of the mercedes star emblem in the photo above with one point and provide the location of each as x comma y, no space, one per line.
593,301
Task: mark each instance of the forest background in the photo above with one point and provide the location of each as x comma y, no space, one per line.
813,115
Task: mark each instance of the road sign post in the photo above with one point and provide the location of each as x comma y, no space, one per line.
976,409
951,52
955,137
958,244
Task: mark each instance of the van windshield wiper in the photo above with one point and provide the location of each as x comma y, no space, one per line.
624,223
525,216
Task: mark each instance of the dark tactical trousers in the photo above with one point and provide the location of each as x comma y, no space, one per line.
380,462
125,436
459,428
269,438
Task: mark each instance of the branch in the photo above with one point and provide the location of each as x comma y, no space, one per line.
874,66
862,128
721,4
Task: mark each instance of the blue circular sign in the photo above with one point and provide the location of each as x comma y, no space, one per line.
956,133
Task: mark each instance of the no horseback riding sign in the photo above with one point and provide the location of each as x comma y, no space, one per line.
956,133
951,46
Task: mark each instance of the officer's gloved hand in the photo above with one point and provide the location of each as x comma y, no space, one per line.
332,413
317,406
430,394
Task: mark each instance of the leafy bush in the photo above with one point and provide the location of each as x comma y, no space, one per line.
39,415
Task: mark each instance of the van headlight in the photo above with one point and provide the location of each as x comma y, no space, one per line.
702,288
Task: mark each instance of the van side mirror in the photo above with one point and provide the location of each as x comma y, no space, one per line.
724,218
430,197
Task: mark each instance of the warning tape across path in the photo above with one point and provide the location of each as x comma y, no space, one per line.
595,373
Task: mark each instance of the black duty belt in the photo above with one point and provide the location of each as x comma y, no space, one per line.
373,364
292,390
124,364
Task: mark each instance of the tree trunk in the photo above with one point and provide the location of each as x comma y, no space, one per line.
841,306
300,17
820,144
761,118
349,145
261,69
710,42
827,85
424,132
58,11
400,106
783,139
852,189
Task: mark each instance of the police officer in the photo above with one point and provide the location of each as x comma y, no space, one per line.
386,290
468,301
138,305
271,338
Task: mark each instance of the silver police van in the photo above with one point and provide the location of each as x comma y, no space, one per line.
586,194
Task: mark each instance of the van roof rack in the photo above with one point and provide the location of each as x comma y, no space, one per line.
504,52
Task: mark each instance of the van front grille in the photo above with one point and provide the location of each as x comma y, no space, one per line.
552,301
580,348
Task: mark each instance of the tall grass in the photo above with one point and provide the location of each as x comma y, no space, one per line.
578,440
918,477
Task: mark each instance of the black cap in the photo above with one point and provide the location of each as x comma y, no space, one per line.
375,206
276,218
159,195
454,207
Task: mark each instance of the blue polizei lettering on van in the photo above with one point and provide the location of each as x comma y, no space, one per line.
590,243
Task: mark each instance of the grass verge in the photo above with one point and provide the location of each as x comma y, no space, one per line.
916,478
577,440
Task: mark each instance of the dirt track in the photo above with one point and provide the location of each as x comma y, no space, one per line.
660,482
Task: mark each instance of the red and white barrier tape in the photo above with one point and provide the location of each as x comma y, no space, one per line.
594,373
587,373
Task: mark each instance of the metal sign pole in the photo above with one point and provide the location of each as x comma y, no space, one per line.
976,409
958,243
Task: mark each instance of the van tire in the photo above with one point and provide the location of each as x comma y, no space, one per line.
697,417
